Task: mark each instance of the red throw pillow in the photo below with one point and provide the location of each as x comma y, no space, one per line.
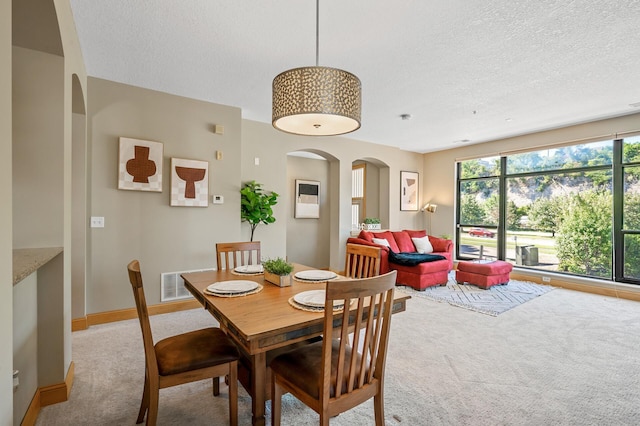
405,244
387,235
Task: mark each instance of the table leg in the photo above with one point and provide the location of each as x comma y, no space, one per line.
258,379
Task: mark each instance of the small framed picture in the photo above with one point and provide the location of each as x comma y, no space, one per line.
409,190
140,165
189,183
307,199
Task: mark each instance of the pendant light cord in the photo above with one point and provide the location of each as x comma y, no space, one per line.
317,31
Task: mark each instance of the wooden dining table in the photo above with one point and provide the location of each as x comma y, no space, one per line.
263,324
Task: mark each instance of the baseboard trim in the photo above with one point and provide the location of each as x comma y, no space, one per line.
49,395
59,392
78,324
131,313
31,416
601,290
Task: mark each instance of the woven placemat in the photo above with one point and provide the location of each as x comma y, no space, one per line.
309,309
257,290
244,274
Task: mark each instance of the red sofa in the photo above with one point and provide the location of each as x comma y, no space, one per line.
420,276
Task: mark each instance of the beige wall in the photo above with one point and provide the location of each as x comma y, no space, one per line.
271,146
6,242
38,149
25,343
308,239
439,181
143,225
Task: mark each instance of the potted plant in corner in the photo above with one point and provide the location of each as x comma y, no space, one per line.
277,271
372,223
255,205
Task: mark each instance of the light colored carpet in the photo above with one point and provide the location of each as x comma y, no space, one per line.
492,301
567,358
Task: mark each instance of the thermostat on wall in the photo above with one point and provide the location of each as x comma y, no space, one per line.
217,199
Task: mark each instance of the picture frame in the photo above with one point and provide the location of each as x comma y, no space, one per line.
307,201
189,183
409,190
140,165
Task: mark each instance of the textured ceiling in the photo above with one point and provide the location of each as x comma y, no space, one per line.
464,69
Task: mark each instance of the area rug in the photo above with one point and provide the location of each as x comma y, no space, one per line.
493,301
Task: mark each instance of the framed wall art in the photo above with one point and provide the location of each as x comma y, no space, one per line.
307,199
189,183
409,190
140,165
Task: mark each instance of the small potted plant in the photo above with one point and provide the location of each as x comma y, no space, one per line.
277,271
371,223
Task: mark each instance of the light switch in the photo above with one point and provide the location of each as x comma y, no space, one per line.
218,155
256,161
97,222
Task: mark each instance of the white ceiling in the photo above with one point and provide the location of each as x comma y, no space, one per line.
464,69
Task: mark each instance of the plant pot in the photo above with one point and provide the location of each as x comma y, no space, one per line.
279,280
372,226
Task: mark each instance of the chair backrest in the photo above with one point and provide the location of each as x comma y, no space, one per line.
237,254
369,304
362,261
135,277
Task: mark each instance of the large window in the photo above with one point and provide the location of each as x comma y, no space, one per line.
572,209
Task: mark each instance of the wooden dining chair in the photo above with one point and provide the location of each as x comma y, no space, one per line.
332,376
362,261
237,254
184,358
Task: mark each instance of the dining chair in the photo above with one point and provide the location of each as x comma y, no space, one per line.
237,254
362,261
197,355
332,376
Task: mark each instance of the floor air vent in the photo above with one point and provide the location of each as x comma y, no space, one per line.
172,286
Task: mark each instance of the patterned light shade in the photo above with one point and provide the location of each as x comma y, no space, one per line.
316,101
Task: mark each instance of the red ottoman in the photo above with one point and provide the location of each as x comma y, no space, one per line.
483,274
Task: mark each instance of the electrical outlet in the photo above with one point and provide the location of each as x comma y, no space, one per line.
546,279
97,222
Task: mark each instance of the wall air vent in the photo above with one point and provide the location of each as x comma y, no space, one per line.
172,286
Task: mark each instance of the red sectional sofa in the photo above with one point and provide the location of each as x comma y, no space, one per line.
419,276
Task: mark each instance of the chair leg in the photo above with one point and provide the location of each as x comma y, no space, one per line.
216,386
276,401
152,414
144,404
378,406
233,393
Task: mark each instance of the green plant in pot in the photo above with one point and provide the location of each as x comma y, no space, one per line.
372,223
277,271
256,205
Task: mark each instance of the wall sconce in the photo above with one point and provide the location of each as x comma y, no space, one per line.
430,208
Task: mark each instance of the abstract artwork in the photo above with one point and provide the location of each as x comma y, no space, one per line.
408,190
307,199
189,183
140,165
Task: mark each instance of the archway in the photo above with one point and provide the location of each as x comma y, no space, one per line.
309,238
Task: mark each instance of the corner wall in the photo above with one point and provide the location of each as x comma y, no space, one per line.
6,227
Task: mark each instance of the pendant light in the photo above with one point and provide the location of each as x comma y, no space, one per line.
316,101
